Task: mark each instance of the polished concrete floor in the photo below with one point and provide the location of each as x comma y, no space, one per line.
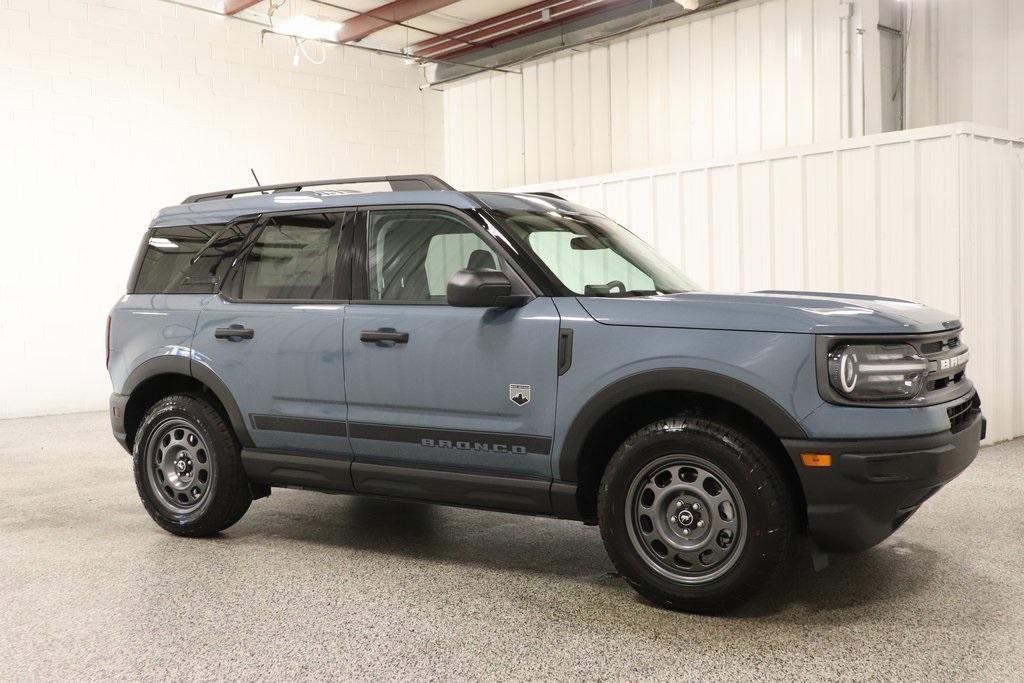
317,586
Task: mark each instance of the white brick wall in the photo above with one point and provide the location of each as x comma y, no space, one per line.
111,109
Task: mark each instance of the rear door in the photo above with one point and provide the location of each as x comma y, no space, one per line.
274,334
434,386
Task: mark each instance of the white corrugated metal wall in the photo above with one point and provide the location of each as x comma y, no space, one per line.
933,215
748,76
966,59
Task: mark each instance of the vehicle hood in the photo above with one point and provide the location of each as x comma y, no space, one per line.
774,311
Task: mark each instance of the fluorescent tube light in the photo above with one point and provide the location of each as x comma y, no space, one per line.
304,26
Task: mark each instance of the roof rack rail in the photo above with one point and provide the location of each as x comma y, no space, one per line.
552,195
399,183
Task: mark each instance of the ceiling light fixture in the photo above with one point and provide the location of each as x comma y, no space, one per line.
689,4
307,27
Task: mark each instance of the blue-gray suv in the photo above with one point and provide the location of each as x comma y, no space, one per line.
522,353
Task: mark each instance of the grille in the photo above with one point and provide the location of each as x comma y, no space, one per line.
933,347
947,360
962,413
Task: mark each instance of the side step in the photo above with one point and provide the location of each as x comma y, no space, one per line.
340,474
458,488
288,469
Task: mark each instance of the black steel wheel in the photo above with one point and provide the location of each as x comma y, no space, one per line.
179,466
695,514
685,518
188,467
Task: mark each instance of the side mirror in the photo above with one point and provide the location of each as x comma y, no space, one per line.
482,288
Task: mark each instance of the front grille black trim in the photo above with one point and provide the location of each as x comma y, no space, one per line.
962,414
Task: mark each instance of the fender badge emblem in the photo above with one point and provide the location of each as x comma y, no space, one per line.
519,394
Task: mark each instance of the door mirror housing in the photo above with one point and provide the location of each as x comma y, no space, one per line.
482,288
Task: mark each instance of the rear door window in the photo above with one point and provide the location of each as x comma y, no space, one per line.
294,258
190,259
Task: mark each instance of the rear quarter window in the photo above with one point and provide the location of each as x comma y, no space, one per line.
190,259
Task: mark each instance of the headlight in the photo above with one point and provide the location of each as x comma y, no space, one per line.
876,372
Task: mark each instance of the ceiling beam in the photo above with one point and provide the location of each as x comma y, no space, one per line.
362,25
510,25
230,7
616,19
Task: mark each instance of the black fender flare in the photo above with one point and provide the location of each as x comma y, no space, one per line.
182,365
723,387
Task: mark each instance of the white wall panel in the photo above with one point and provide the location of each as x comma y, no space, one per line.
636,105
788,210
827,77
696,224
821,207
858,251
800,71
600,111
679,93
581,134
748,79
934,215
723,84
773,74
755,221
657,99
669,243
105,116
547,123
724,223
564,119
965,63
702,74
531,122
748,76
515,139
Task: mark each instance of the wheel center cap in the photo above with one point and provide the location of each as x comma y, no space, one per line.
183,465
685,518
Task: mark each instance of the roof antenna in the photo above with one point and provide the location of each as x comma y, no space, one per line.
253,171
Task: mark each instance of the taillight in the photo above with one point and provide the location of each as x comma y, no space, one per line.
108,341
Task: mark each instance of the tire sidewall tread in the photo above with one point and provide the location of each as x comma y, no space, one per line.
770,511
230,492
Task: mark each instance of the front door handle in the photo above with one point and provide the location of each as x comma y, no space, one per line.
374,336
234,333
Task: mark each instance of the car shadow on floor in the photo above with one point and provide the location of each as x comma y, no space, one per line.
434,533
891,573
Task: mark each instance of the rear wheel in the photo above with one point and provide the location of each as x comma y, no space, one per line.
188,468
694,514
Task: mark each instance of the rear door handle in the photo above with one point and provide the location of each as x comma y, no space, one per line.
234,333
384,336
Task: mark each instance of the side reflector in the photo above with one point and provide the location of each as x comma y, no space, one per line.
816,459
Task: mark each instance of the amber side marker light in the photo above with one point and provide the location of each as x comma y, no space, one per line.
816,459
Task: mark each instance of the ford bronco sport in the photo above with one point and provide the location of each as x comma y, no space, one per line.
522,353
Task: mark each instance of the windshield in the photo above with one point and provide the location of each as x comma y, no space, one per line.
592,255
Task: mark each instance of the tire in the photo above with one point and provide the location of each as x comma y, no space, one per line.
686,475
188,468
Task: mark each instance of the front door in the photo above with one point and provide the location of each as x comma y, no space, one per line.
434,386
274,335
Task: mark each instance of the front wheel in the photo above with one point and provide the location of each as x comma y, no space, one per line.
694,514
188,468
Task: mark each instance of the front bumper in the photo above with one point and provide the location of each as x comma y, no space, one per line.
117,406
874,486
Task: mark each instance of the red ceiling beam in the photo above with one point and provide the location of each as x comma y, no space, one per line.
230,7
362,25
504,27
